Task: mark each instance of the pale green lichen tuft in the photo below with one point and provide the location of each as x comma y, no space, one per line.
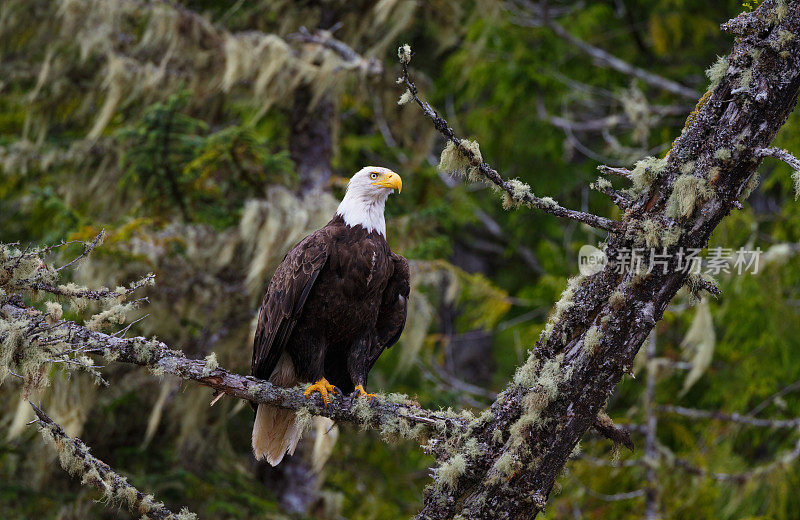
655,234
526,374
497,436
785,37
185,514
450,470
717,71
601,184
753,182
796,181
519,193
616,300
505,465
54,312
405,98
563,305
745,79
303,419
592,339
454,162
404,53
722,154
363,410
211,364
687,192
781,10
548,202
646,171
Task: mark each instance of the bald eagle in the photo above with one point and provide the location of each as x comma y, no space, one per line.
335,303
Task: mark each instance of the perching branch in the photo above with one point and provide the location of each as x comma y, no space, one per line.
393,415
526,197
75,458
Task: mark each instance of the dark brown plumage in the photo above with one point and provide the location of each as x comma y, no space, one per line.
335,303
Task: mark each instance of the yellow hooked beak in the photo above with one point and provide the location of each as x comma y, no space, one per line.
390,180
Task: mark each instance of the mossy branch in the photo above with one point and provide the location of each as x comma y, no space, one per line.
75,458
516,192
395,416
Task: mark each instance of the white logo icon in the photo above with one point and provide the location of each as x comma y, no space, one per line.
591,260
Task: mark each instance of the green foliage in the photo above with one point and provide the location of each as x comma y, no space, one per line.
189,172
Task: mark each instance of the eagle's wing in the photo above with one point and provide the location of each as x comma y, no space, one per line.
282,305
394,304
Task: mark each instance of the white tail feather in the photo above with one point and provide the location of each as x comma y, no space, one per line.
275,433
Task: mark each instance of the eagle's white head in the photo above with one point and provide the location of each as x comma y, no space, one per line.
366,196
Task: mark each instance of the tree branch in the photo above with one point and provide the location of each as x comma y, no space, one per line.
738,418
522,196
393,415
77,461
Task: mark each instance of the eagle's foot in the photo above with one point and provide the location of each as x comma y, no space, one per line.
360,392
324,388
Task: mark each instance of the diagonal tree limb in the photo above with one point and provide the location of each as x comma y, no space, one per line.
601,322
75,458
548,206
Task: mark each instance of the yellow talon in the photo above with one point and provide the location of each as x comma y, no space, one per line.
323,387
363,393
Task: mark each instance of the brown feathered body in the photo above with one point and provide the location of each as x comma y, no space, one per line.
334,304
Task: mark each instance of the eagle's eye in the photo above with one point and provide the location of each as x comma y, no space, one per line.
373,175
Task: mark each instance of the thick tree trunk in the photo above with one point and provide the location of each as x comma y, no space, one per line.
537,421
311,140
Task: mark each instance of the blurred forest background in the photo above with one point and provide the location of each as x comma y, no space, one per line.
207,137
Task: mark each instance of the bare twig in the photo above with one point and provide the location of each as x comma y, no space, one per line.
730,417
780,154
620,172
351,58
